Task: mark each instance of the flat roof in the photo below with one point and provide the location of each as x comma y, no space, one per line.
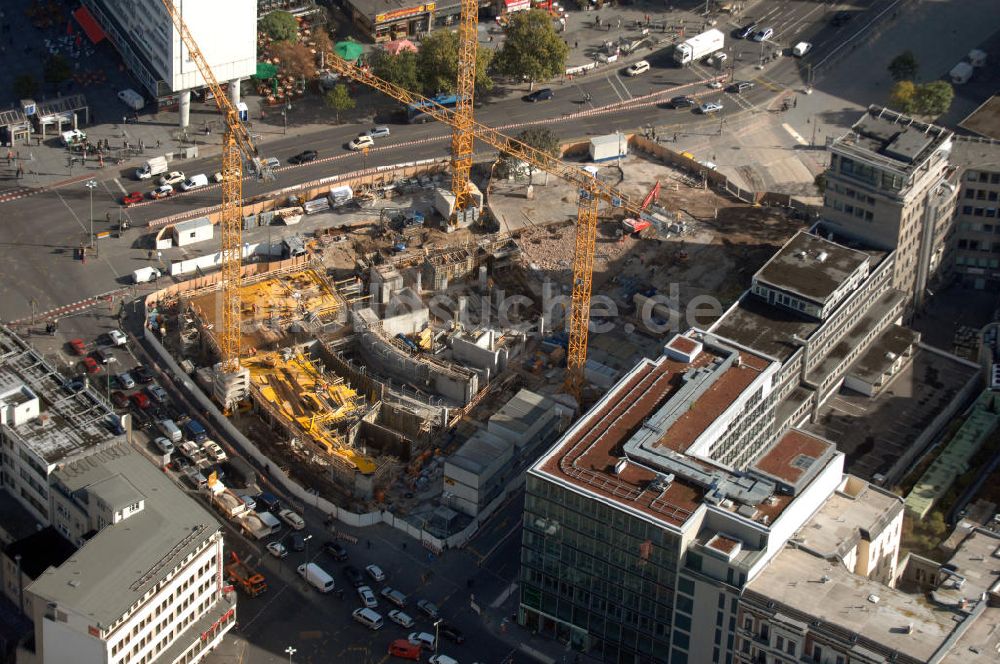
658,410
976,154
876,361
985,120
897,141
856,508
120,563
523,411
794,458
811,267
69,424
754,323
371,8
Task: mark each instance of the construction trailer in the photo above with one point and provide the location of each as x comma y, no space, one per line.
241,574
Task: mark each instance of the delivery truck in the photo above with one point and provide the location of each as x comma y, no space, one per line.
316,576
155,166
132,99
145,274
699,46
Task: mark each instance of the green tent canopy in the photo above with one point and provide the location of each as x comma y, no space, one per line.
349,50
265,71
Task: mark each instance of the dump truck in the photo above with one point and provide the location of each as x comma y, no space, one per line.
241,574
229,504
260,524
699,46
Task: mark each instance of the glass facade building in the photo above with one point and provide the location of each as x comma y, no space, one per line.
596,576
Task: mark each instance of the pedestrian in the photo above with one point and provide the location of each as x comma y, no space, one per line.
675,137
149,254
157,143
576,44
795,102
20,171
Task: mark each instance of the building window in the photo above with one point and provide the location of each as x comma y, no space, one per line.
779,643
817,654
791,648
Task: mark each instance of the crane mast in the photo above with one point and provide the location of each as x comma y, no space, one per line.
462,136
236,144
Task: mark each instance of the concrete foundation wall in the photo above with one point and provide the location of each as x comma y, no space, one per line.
469,353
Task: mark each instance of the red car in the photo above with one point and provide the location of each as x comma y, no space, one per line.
90,365
133,198
78,346
140,400
120,399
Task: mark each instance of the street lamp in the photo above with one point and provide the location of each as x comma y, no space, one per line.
437,633
91,185
290,651
306,541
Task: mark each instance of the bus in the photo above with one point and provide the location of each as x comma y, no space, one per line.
417,109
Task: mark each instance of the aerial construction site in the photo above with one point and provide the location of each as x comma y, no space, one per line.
394,316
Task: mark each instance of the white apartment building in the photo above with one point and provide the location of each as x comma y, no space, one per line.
145,36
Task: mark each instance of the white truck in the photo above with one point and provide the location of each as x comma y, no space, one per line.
145,274
132,99
699,46
155,166
260,524
961,73
316,576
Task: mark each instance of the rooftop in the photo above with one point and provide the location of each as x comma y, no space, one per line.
857,507
653,415
877,360
70,424
794,459
481,452
811,267
754,323
896,141
985,120
977,153
119,564
523,411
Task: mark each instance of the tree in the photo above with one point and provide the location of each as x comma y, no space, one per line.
901,96
401,69
933,98
532,49
56,69
280,26
322,42
25,86
904,67
539,138
339,99
294,59
437,64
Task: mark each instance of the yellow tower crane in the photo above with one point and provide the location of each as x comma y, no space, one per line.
237,144
592,192
462,135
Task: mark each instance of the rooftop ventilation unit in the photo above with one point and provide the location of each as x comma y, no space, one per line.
620,466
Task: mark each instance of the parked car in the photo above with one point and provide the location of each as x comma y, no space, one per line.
303,157
422,639
162,192
78,347
140,401
400,618
172,178
377,132
763,35
542,94
90,365
277,549
248,501
163,444
125,380
335,549
271,162
683,102
105,356
442,659
394,596
296,542
119,399
375,572
710,107
840,18
354,576
158,394
143,374
267,502
739,86
117,338
195,182
133,198
292,519
428,608
637,68
746,32
360,143
367,597
451,633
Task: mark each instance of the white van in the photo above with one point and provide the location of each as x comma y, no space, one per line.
640,67
194,182
368,618
171,431
801,49
316,576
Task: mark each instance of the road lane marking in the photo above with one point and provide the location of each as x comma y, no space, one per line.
121,187
614,89
794,134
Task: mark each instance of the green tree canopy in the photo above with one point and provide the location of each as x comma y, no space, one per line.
339,99
401,69
933,98
437,64
540,138
532,49
901,96
56,69
904,67
280,26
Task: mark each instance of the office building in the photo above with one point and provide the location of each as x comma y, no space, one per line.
145,585
646,518
151,47
891,186
975,245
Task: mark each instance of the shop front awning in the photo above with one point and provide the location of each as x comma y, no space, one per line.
89,24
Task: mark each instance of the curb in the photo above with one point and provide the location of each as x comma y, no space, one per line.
71,308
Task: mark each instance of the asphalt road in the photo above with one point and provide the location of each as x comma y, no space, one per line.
38,241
